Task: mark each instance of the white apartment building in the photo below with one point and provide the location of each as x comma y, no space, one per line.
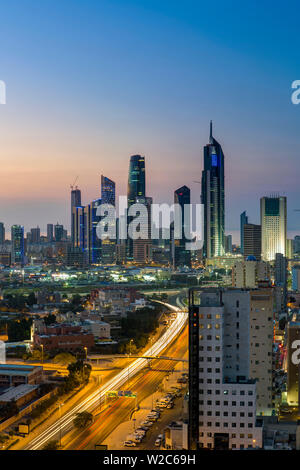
227,394
248,273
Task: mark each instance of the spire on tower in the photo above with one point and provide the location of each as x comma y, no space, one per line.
210,133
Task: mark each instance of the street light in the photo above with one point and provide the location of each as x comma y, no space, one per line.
42,346
86,351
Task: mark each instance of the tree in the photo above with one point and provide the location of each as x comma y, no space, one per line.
51,445
83,419
31,299
49,319
64,358
79,373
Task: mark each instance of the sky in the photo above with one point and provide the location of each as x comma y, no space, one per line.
91,82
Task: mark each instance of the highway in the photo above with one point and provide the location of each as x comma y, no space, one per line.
65,423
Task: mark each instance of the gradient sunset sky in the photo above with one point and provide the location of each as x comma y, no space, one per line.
91,82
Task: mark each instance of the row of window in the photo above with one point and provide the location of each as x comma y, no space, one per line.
233,435
226,403
217,424
226,414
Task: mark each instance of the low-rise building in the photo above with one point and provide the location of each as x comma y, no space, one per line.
13,375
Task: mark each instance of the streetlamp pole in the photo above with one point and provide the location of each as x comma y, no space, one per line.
42,346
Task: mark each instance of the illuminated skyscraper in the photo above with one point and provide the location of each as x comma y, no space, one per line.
75,202
136,179
136,188
50,232
2,233
213,198
182,256
273,226
108,196
17,244
243,221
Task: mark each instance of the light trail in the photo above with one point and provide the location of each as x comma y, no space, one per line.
65,423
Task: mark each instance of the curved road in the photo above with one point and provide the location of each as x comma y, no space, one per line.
65,423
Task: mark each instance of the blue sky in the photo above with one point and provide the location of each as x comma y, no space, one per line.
91,82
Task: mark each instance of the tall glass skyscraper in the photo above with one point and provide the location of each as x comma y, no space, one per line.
136,188
273,226
75,202
108,196
136,179
108,191
213,198
243,222
17,244
182,256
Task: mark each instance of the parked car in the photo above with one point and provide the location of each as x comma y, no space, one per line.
129,444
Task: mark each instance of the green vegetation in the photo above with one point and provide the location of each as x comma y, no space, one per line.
19,330
79,374
83,419
64,358
138,326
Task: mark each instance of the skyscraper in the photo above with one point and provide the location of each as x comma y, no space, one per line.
136,178
273,226
17,244
252,241
2,233
35,235
243,221
142,247
136,188
58,232
213,198
108,191
108,196
75,202
50,232
182,256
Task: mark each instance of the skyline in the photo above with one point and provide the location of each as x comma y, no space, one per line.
81,100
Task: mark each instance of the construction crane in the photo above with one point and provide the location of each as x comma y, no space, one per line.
72,186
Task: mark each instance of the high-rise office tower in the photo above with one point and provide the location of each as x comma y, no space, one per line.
108,196
136,179
296,278
213,198
243,221
75,202
228,243
273,226
92,244
252,241
50,232
182,256
17,244
229,360
136,188
79,228
142,247
108,191
296,244
58,232
35,235
2,233
281,275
